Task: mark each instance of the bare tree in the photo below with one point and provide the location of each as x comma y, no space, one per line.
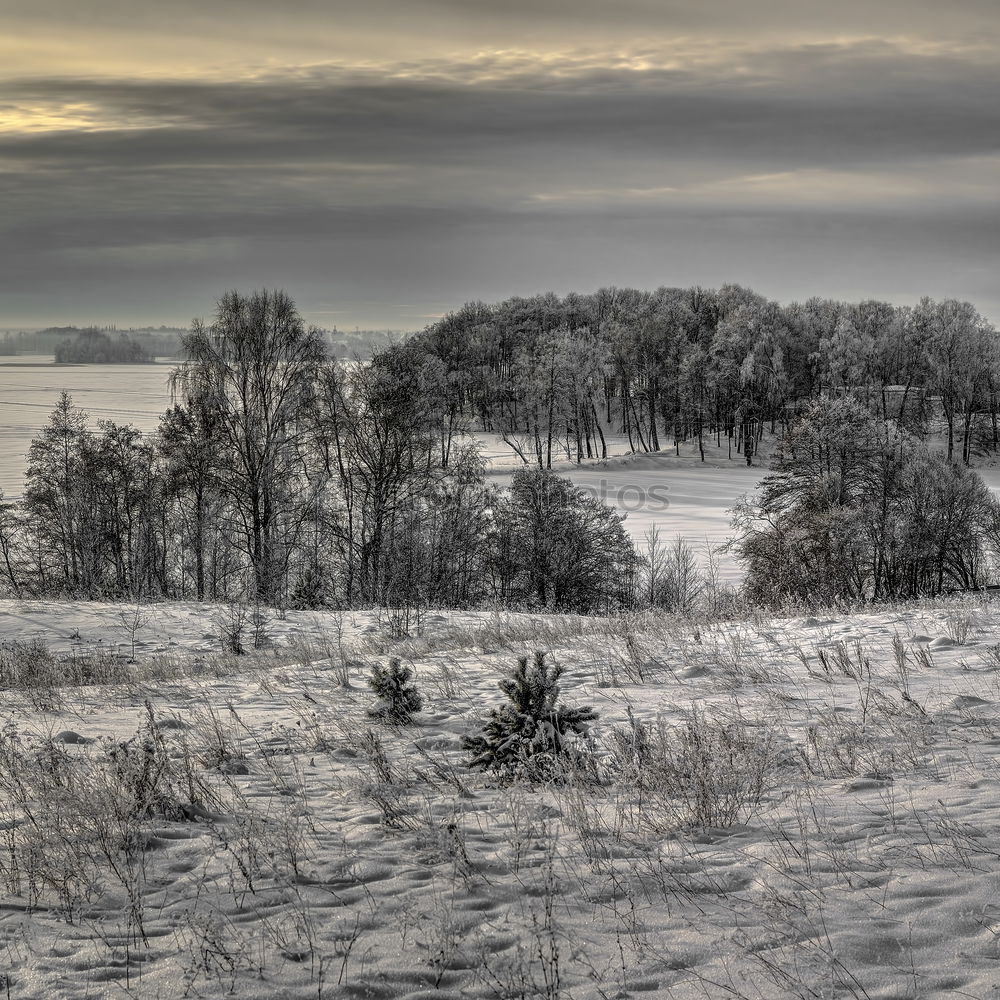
192,469
256,367
10,528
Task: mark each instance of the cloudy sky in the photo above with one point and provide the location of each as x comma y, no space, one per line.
387,160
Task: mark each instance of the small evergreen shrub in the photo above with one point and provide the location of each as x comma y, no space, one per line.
399,699
528,737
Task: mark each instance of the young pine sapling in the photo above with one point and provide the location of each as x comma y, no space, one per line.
399,699
529,736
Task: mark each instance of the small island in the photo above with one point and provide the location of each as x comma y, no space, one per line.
95,347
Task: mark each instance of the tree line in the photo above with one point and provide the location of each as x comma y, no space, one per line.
284,476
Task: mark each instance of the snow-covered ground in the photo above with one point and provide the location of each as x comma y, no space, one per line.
856,757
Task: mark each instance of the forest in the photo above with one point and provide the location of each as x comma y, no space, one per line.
678,365
283,476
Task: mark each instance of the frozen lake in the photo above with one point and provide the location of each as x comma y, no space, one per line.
30,386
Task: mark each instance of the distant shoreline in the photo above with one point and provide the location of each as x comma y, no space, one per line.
83,364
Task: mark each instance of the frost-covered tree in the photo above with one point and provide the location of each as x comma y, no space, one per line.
859,508
566,550
956,352
671,576
193,464
88,504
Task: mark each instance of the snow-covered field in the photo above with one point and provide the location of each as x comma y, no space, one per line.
679,496
814,813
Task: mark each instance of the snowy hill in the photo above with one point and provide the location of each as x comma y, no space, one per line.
788,808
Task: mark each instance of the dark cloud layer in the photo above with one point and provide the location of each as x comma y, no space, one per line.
385,194
811,115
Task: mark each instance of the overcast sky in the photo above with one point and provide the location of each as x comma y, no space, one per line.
386,160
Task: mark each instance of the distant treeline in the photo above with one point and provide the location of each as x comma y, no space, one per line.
153,342
167,342
549,374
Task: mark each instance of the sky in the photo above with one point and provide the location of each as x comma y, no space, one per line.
385,161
